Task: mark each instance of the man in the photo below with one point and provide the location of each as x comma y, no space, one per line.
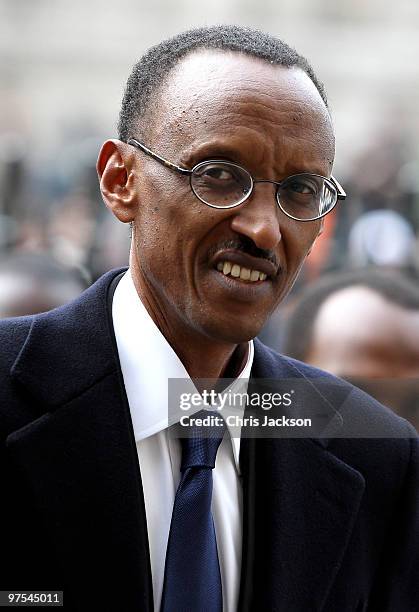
362,325
223,170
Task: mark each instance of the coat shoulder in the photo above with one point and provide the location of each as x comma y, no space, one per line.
43,351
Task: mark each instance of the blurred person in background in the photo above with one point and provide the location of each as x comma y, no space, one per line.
33,282
363,326
223,169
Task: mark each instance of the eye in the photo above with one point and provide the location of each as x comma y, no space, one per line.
217,173
302,185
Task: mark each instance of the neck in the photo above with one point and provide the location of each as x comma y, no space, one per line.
205,359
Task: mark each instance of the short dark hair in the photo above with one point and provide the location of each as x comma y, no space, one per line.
392,286
150,72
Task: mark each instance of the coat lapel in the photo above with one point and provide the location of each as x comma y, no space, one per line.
300,504
79,457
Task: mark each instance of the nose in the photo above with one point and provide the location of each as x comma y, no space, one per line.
258,218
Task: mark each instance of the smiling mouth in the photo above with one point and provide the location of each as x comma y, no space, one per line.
240,272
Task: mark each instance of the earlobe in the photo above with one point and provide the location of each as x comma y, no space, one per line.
117,179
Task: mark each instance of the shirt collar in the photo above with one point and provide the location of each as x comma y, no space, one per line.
148,361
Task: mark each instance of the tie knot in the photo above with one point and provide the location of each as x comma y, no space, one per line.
200,448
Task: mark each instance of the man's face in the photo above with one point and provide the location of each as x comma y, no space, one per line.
272,121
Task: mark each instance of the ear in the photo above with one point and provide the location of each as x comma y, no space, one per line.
116,172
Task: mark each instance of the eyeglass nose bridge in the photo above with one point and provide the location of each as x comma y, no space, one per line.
277,186
250,192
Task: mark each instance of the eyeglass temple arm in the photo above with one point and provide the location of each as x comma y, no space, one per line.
341,192
165,162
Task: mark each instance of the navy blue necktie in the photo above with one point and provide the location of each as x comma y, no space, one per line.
192,581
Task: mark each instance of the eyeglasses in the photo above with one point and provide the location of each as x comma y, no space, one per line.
223,184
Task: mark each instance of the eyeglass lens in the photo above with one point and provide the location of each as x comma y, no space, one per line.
221,184
224,184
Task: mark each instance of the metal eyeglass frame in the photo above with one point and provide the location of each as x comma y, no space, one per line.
341,195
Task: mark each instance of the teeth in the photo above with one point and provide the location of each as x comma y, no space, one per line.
235,271
238,272
226,267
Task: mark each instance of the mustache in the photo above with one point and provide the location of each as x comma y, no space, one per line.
247,246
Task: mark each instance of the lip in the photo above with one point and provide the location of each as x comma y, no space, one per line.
243,291
245,261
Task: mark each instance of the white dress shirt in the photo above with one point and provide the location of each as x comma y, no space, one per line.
147,362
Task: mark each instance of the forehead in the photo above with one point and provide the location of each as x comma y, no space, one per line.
226,95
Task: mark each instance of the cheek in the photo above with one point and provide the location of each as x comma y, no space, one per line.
168,202
299,240
168,231
159,206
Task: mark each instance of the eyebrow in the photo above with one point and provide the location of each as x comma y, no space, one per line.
221,150
212,149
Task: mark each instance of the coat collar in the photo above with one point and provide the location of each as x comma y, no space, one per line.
79,458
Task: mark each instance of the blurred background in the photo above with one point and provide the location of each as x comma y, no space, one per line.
62,73
63,68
